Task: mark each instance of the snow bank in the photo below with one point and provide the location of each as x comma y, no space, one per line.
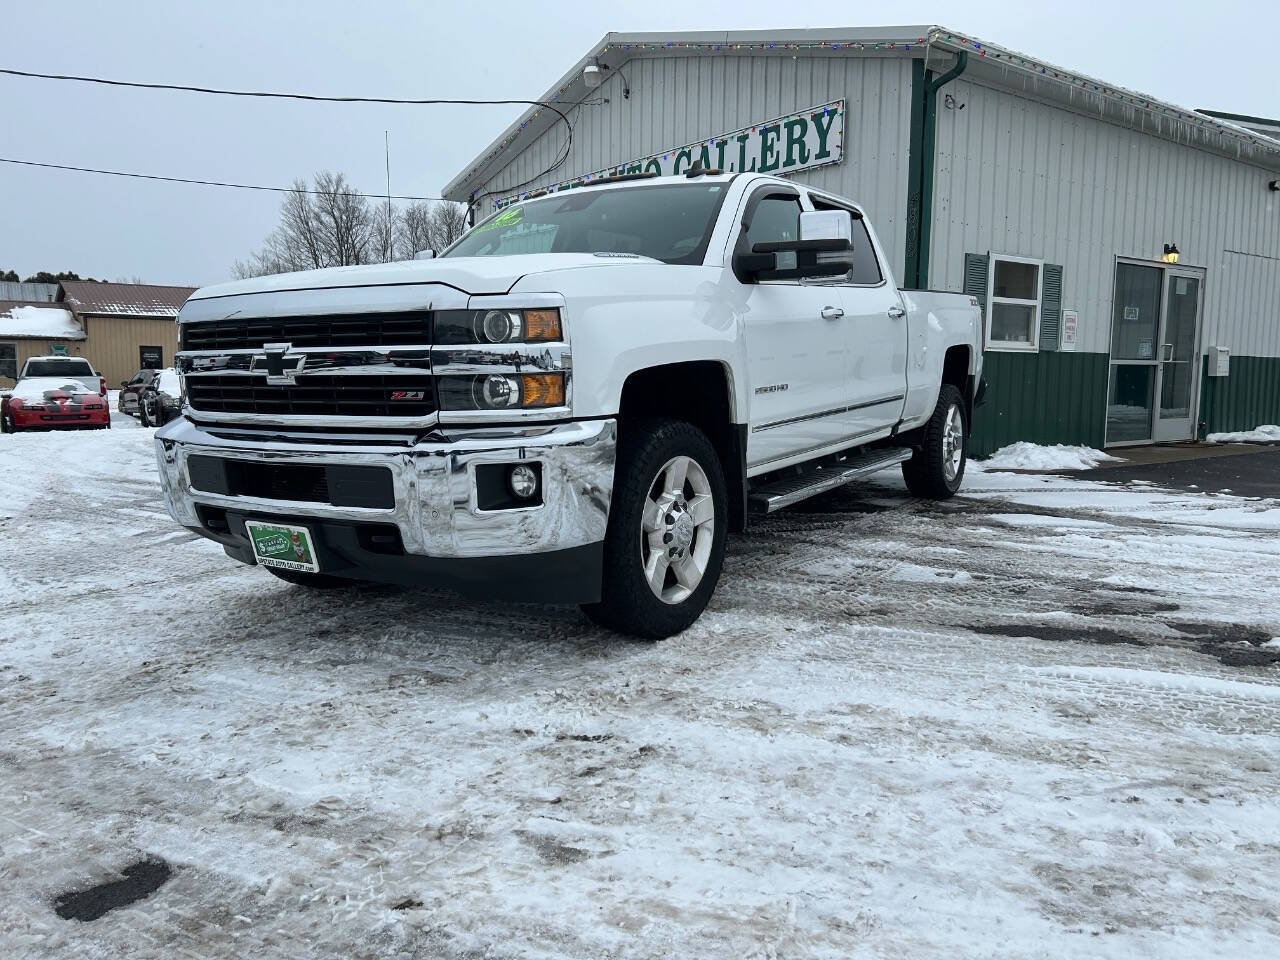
1268,433
1032,456
53,322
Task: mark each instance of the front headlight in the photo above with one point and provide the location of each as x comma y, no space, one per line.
460,327
502,391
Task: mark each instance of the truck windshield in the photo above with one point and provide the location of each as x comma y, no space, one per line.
58,368
669,222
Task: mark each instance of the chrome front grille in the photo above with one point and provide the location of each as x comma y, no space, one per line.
322,395
342,330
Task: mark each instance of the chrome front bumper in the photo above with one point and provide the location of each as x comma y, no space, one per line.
434,483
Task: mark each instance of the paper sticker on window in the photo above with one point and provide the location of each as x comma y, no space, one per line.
1131,313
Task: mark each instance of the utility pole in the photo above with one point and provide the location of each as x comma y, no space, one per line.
387,144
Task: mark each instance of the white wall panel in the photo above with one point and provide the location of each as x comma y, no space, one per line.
678,100
1017,176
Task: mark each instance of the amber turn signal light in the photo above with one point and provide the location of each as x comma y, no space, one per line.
542,390
541,326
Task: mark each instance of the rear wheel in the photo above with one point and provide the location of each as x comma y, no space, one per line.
936,469
317,581
6,423
667,521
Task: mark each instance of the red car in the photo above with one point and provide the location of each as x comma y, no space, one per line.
45,403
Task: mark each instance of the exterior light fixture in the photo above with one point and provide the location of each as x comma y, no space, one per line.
1170,253
1274,186
592,75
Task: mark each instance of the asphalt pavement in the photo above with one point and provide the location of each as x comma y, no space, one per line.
1248,474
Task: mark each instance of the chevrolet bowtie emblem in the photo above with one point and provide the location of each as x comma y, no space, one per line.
282,369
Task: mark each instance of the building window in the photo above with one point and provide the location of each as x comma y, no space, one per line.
9,361
151,358
1013,317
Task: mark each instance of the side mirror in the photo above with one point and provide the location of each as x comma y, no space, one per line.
823,250
425,255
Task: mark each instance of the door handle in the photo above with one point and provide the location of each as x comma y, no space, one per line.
832,313
897,312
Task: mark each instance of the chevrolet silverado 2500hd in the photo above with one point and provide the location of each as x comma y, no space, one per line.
575,402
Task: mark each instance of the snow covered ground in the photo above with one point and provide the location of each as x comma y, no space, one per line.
1040,720
1267,433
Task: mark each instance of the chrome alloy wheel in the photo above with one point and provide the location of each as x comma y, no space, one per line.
952,443
676,530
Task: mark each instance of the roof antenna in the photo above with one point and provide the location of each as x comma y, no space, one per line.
698,170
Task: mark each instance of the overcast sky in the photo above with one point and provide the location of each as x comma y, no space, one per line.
1193,54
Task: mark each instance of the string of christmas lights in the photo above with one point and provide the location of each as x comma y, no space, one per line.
938,38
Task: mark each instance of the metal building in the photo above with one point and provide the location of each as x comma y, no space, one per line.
1126,250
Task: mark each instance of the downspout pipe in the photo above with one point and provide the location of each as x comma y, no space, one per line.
924,116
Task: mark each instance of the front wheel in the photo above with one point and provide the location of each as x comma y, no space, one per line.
667,521
936,469
144,419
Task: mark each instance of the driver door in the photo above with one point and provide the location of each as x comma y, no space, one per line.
795,344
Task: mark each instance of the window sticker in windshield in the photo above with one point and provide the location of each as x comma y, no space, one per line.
508,218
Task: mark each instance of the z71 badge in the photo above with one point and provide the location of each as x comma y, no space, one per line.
408,394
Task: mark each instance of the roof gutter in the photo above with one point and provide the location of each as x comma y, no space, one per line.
920,165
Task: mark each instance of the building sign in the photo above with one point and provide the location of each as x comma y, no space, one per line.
1070,326
799,141
58,350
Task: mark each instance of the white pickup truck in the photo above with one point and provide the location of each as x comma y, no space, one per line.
574,403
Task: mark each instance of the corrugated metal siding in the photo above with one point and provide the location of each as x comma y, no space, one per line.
1044,397
678,100
26,349
44,292
1249,397
1016,176
112,344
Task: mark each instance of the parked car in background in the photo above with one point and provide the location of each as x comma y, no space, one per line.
65,368
47,403
161,400
131,390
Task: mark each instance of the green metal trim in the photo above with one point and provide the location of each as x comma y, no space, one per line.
1045,397
915,161
920,164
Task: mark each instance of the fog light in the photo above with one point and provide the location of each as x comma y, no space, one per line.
523,481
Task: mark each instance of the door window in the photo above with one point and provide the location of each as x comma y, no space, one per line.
776,219
9,361
1178,348
866,266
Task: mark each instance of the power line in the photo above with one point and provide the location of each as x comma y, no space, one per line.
219,91
203,183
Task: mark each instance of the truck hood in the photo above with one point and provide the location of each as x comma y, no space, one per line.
473,275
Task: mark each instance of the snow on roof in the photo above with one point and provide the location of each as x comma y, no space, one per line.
44,320
125,299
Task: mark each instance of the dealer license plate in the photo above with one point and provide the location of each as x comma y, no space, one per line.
282,545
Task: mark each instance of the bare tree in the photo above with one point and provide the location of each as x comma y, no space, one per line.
413,229
448,222
330,226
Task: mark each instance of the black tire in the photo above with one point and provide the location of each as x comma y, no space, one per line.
144,418
628,605
929,472
303,578
5,425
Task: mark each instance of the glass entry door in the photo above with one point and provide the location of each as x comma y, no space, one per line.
1179,371
1154,325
